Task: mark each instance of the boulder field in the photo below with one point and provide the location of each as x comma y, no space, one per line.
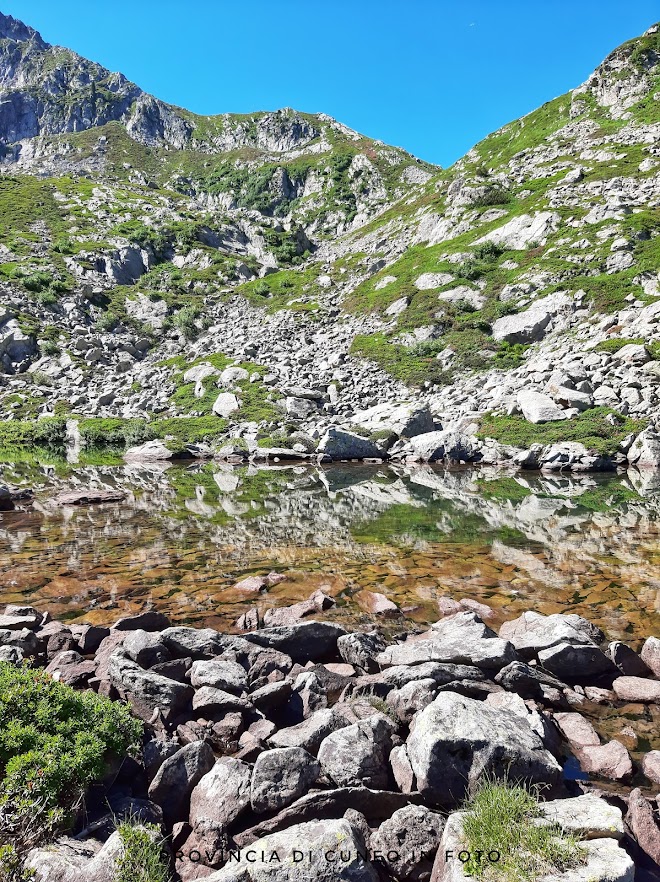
349,755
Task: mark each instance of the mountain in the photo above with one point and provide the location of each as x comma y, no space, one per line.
267,276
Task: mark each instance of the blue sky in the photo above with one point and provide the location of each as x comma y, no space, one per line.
432,76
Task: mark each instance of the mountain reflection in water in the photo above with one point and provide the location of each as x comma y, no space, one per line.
186,534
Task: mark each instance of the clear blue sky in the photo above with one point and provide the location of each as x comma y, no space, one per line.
432,76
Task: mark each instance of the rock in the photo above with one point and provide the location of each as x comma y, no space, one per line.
219,797
68,860
196,643
145,648
361,650
177,777
342,444
637,689
89,497
640,819
402,770
651,765
532,632
520,231
627,660
403,419
456,740
610,760
428,281
577,730
306,641
281,776
408,840
525,680
208,700
576,664
220,674
459,639
357,754
411,698
154,451
146,621
377,604
310,733
69,667
6,500
225,404
448,444
537,407
586,817
146,691
651,654
303,856
290,615
645,450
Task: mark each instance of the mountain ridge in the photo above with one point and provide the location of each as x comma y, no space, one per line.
328,263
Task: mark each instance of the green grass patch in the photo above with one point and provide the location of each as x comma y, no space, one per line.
503,817
504,489
589,428
143,857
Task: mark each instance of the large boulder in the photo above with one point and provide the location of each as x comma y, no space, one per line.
531,324
456,740
522,230
537,407
342,444
177,777
408,841
147,691
645,450
405,419
281,776
357,754
305,641
218,798
461,639
531,632
449,444
316,851
310,733
577,664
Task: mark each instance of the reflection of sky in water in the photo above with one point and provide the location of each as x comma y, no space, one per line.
185,536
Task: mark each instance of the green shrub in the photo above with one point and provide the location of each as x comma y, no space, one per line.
185,320
502,817
143,858
488,251
48,432
616,343
11,866
37,281
54,742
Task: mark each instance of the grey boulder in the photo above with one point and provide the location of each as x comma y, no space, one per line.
280,776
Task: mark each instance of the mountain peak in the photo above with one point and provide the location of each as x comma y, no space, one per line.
13,29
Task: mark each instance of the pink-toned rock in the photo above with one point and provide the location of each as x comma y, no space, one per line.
651,654
319,601
598,695
577,730
89,497
651,766
610,760
340,668
377,604
447,606
637,689
254,584
642,824
485,612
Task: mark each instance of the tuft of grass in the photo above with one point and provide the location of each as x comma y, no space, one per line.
142,858
504,817
590,428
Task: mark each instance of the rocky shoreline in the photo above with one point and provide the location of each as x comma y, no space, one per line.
298,737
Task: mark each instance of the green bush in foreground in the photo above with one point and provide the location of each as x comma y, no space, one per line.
54,742
503,817
142,859
11,866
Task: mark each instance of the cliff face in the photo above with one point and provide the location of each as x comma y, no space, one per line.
331,261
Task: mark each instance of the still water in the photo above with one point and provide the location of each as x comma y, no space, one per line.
185,535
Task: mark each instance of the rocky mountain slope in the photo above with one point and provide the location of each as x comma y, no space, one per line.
279,280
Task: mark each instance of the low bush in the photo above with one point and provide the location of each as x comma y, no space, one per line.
142,858
54,743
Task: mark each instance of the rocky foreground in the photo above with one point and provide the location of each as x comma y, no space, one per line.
348,756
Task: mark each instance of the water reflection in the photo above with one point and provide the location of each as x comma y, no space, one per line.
184,536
